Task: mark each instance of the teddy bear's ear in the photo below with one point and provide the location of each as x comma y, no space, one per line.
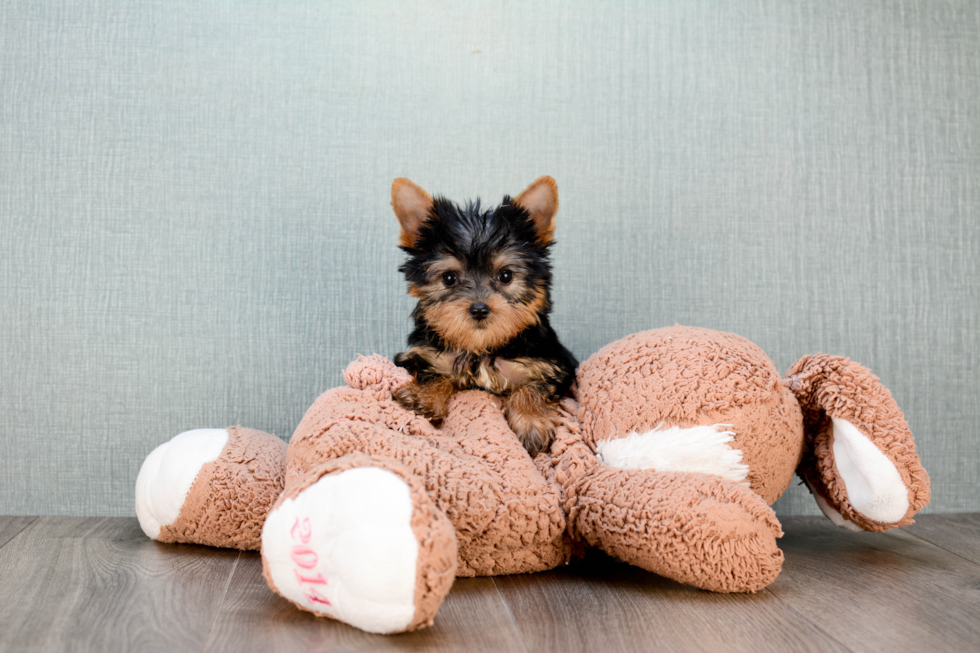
862,466
412,206
540,200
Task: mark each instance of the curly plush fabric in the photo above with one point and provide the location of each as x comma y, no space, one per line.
231,495
482,506
834,387
509,513
436,558
508,518
683,376
693,528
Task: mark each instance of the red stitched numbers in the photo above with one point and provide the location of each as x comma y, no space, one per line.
306,558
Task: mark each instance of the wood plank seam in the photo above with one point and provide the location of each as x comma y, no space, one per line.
32,519
940,546
805,617
510,613
221,601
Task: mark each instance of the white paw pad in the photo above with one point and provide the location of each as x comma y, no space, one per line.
345,547
169,472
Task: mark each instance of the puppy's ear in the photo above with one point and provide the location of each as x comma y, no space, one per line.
412,206
540,199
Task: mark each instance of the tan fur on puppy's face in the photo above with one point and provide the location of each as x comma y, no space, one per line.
514,306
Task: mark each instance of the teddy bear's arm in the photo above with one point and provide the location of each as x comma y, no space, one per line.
676,523
211,486
670,523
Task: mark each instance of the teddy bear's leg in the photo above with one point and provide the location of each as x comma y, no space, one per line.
358,539
860,463
695,528
508,518
211,486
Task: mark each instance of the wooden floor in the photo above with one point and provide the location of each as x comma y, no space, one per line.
98,584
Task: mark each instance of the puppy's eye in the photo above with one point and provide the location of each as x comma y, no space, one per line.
505,277
449,279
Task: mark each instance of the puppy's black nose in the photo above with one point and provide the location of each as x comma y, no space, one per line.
479,311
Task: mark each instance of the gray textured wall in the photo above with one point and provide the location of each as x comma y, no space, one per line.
196,231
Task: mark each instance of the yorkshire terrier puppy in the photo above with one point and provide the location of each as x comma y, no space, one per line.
483,281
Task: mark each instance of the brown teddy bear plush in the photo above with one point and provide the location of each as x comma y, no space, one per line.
675,445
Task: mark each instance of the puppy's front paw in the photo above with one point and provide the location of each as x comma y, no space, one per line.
535,432
533,419
430,400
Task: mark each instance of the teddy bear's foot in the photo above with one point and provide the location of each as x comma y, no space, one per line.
695,528
211,486
359,540
860,463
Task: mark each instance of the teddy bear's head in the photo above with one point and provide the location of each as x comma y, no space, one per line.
693,400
